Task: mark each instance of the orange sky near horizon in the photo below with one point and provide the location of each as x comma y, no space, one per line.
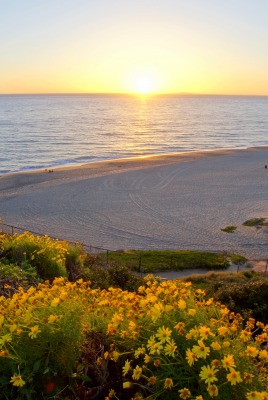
147,46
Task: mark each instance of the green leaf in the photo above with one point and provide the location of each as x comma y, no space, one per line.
80,368
46,371
37,365
86,378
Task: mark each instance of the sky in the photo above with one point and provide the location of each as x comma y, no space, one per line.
128,46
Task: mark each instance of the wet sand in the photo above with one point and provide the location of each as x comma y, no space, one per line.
176,201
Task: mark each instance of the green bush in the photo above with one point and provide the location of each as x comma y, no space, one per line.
123,278
229,229
114,276
254,222
76,262
46,255
244,298
12,277
49,257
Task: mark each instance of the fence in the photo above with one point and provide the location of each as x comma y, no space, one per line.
139,260
11,230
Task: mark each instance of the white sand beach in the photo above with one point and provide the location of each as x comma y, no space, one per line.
176,201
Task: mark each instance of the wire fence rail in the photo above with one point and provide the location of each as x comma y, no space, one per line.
138,260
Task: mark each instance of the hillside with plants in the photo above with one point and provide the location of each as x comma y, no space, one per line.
71,328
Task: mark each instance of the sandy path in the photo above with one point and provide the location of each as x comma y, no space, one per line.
163,202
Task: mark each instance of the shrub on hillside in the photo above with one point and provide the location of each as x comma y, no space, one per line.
50,257
47,256
165,341
251,296
123,278
12,277
113,276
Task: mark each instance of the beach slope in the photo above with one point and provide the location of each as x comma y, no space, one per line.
176,201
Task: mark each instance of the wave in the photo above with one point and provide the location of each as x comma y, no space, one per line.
43,132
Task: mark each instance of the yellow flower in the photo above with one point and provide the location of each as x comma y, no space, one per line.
12,327
252,351
185,394
126,385
191,311
248,377
51,319
138,396
151,342
152,380
111,394
213,391
137,373
170,348
63,295
17,380
224,311
156,348
55,302
215,363
5,339
245,336
223,330
156,311
147,359
263,354
168,383
200,291
234,377
228,362
179,325
208,373
132,325
34,331
190,357
201,351
163,334
205,332
157,362
126,367
199,398
193,334
115,355
181,304
254,396
139,351
216,346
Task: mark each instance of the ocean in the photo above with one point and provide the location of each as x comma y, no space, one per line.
44,131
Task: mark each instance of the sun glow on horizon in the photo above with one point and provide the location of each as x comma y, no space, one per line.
144,85
144,81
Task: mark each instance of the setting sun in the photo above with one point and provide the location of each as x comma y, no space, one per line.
144,85
143,80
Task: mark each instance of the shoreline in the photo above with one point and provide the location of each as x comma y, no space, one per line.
158,157
164,201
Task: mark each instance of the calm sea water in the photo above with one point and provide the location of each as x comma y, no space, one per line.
49,130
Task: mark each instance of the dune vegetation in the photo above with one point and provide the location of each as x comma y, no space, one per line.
70,329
